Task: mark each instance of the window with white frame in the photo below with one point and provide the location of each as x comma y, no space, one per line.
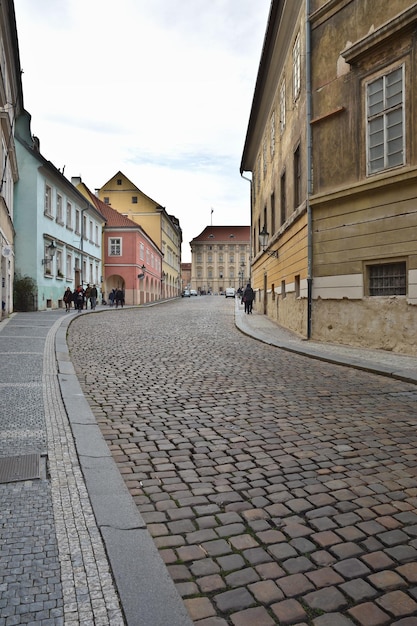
48,200
272,134
385,121
77,221
96,239
69,266
59,214
296,67
258,173
69,215
282,107
141,251
90,225
59,263
115,246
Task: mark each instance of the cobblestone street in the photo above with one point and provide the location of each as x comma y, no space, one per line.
279,489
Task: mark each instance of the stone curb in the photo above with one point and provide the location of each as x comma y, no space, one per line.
146,590
402,368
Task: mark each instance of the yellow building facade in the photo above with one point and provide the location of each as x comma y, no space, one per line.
164,229
11,107
334,171
220,259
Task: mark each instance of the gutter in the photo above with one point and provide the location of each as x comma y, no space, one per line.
309,172
250,228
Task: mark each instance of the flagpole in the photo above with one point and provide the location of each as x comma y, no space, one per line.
211,216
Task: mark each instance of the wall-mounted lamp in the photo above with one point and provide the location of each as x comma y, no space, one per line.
140,276
51,249
263,241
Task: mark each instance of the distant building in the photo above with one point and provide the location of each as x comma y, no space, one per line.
131,260
220,258
185,276
331,145
58,231
11,106
164,229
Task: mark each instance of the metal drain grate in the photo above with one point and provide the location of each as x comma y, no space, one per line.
18,468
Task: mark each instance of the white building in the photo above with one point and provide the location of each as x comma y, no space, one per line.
58,231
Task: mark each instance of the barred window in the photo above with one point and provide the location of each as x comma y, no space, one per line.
388,279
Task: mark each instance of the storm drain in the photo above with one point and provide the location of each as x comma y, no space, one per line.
18,468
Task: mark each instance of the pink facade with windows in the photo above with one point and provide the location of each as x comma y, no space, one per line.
131,259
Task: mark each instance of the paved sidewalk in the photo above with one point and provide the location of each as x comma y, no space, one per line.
391,364
73,546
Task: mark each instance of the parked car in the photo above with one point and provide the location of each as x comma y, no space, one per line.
193,292
185,294
230,292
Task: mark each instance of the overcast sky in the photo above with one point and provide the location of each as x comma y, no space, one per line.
158,89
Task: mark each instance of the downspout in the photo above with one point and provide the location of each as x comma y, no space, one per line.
309,172
250,229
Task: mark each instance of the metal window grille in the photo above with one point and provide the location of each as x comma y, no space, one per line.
388,279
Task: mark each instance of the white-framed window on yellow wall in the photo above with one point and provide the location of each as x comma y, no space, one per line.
385,121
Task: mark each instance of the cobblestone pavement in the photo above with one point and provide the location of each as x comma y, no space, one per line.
279,489
53,566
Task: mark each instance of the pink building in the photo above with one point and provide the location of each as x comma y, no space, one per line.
131,259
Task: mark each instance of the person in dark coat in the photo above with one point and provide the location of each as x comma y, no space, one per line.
119,298
67,299
248,298
78,297
93,297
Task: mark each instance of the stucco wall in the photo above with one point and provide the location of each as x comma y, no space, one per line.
289,312
379,323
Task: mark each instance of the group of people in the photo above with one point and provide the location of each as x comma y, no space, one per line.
80,297
117,297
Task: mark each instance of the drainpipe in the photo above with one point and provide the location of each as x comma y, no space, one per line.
309,172
250,229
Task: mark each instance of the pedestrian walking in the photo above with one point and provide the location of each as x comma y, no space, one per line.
248,298
67,299
87,294
78,298
119,297
93,297
112,295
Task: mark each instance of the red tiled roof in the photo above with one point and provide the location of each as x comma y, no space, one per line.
113,218
224,234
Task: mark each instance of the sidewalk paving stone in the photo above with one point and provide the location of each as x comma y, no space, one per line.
250,617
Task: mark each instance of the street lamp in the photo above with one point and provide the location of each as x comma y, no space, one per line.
142,275
263,241
242,273
51,249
